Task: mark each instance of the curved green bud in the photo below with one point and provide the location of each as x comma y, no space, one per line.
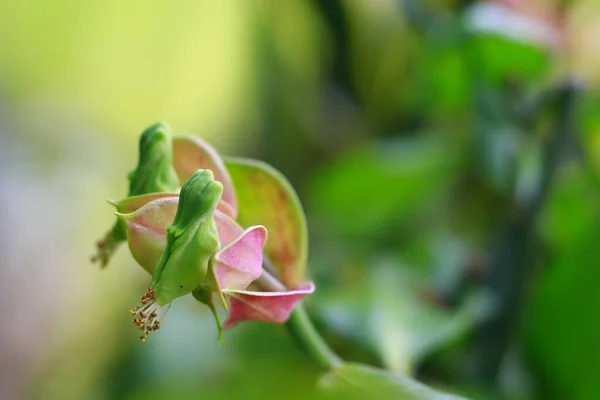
153,174
192,239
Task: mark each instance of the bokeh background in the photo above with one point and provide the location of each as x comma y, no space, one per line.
447,154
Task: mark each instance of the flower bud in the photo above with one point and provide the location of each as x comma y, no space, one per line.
154,173
192,240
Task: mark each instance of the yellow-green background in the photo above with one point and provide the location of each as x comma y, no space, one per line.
80,80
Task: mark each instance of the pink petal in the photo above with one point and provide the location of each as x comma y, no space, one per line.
240,263
146,230
190,154
228,229
273,307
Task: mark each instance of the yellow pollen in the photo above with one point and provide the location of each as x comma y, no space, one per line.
147,316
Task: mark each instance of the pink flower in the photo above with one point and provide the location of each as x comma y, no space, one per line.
235,274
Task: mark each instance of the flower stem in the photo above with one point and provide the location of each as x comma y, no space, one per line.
302,329
268,282
300,325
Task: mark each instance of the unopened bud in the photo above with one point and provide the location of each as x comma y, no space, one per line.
153,174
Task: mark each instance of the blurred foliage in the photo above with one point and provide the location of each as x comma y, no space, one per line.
355,381
447,154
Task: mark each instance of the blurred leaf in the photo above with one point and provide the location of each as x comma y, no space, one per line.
356,381
395,318
265,197
531,25
528,171
499,58
375,185
498,152
406,327
442,80
381,47
562,328
589,120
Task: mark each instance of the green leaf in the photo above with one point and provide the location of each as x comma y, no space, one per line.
561,326
356,381
265,197
392,317
406,328
501,57
383,184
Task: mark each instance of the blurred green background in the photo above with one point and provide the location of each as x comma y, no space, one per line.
447,154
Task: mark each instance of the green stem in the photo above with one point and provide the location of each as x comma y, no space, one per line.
302,329
300,325
269,283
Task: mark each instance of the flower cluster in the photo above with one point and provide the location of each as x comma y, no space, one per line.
209,237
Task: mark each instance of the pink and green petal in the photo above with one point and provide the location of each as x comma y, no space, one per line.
266,197
191,154
106,247
274,307
228,229
240,263
146,230
133,203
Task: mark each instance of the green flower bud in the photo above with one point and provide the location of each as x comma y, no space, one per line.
192,240
154,173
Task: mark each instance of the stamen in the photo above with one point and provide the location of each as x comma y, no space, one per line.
148,316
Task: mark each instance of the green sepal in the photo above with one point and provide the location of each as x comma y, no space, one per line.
134,203
192,239
214,283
